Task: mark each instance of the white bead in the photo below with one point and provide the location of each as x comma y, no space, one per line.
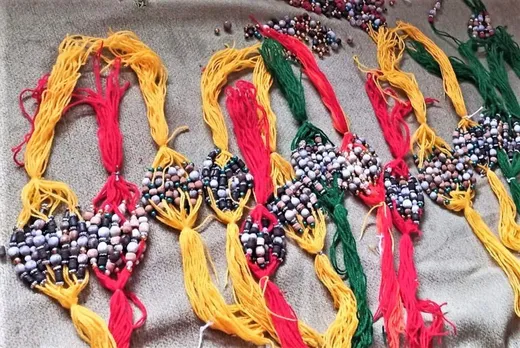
260,251
132,247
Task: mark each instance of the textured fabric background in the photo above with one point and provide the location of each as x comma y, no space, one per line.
453,267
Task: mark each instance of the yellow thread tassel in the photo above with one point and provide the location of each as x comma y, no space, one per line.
461,201
90,327
508,229
205,298
342,329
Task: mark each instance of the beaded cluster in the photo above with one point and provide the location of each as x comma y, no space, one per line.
42,244
319,164
479,26
405,193
169,186
442,173
482,142
304,28
294,204
360,13
113,243
262,241
227,184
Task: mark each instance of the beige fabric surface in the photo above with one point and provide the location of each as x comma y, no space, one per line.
452,265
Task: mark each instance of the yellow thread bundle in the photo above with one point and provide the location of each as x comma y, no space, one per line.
341,331
247,292
390,39
62,80
90,327
508,228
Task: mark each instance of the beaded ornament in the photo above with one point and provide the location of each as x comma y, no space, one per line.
456,194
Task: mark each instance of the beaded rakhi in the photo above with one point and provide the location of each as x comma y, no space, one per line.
227,178
434,157
329,170
44,248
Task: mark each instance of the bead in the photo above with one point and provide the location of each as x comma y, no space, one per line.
227,26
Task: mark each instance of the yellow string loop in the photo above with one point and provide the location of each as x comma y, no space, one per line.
90,327
214,78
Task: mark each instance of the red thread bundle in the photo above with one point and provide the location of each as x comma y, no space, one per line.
106,106
252,134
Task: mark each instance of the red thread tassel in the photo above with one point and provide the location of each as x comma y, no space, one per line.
106,106
252,134
121,321
115,192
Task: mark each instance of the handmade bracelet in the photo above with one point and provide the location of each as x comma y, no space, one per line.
117,226
395,292
493,141
171,189
326,168
446,174
221,170
47,252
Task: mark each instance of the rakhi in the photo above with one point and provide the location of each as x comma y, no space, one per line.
448,174
47,257
328,169
171,173
117,227
227,185
496,137
262,234
394,291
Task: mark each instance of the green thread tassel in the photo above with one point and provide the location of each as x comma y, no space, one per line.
511,170
332,202
292,88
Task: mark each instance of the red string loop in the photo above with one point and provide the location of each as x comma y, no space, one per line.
36,94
